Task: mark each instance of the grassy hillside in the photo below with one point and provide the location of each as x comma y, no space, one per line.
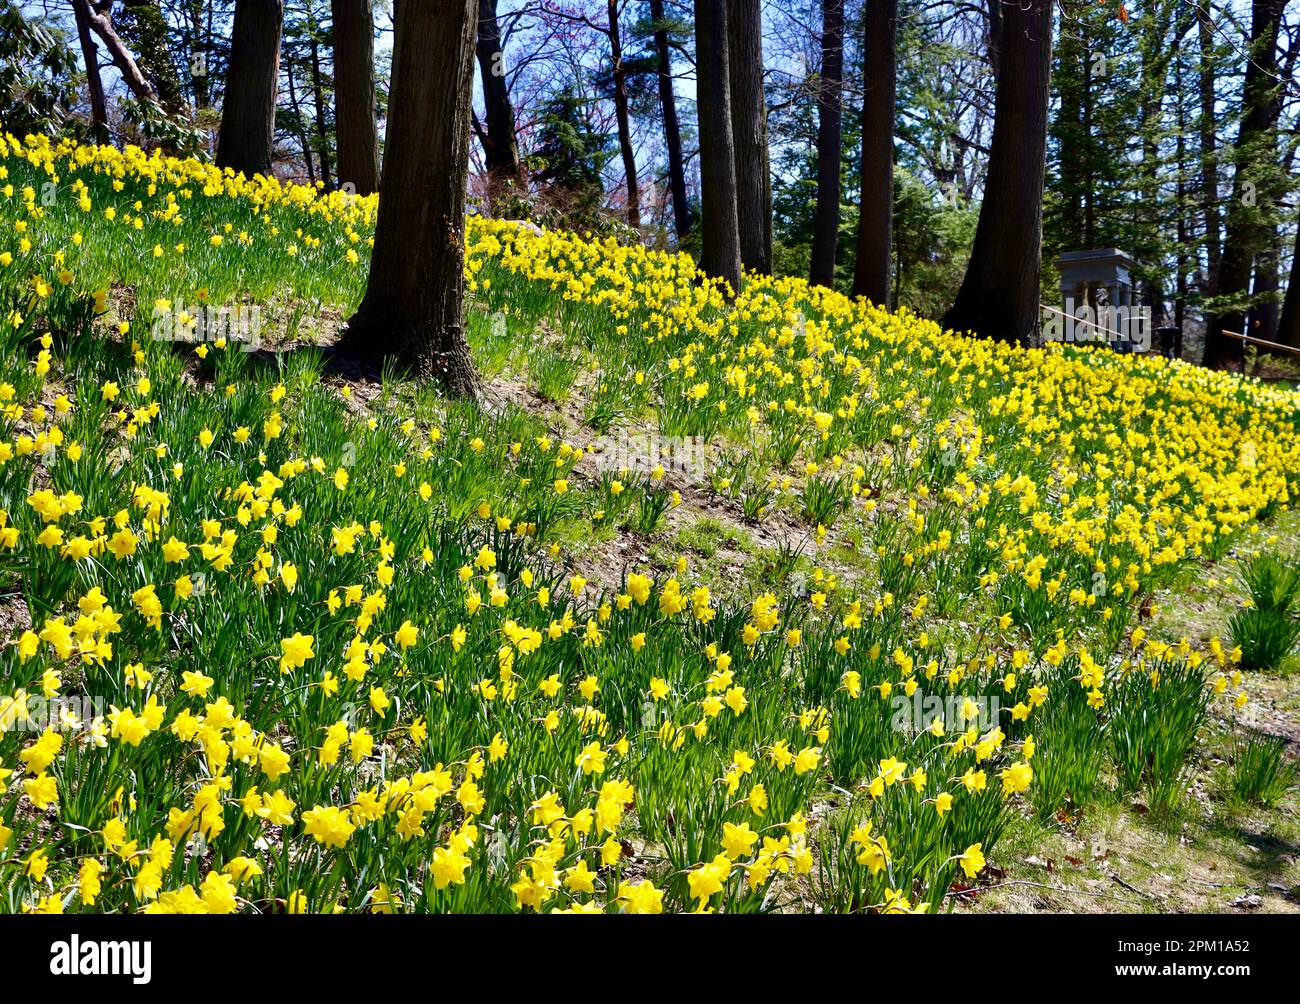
778,602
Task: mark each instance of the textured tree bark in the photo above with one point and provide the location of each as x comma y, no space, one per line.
826,222
995,35
1288,325
999,296
624,119
720,228
873,269
354,95
1262,321
672,127
248,112
102,25
1246,233
500,146
749,133
94,82
1209,173
413,308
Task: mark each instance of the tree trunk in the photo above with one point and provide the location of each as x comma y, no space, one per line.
355,129
1209,172
146,30
198,46
672,128
720,256
248,112
749,133
1089,186
413,308
999,294
318,99
995,35
1180,195
94,82
500,146
872,270
102,25
826,222
301,129
1073,127
1247,232
1288,325
624,119
1263,319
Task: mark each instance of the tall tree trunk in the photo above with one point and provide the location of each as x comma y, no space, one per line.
672,128
1180,196
1263,319
999,294
355,129
995,34
94,82
826,222
623,117
318,98
1288,325
1089,187
198,47
1247,232
299,123
1209,172
720,256
500,146
749,133
872,270
413,307
1161,31
248,112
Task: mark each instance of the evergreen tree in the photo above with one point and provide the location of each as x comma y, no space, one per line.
571,153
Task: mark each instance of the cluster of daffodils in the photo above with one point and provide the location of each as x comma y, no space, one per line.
269,648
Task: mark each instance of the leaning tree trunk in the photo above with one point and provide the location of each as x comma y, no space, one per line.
999,294
500,147
99,20
94,82
720,227
354,95
749,133
826,222
873,271
248,112
1247,232
623,117
413,308
146,30
672,127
